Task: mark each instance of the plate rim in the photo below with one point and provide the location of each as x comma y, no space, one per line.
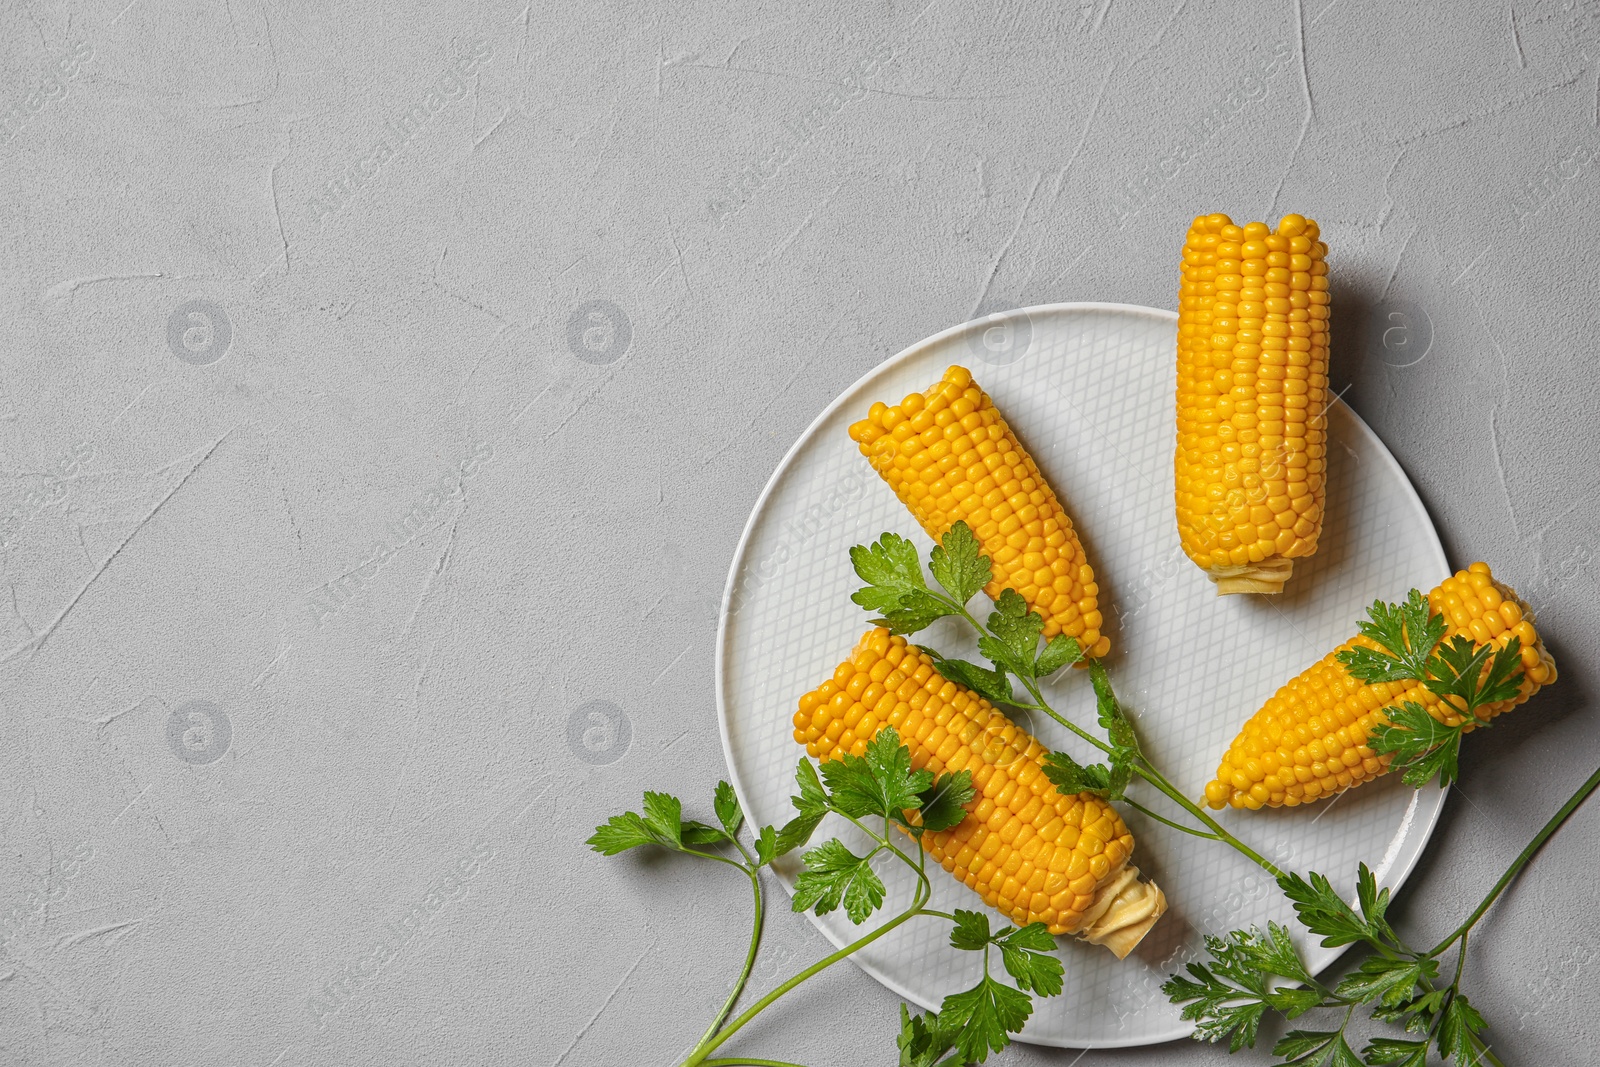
1421,831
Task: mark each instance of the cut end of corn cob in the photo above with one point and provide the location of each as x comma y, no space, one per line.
1309,740
1268,576
1252,398
1124,912
1032,853
950,457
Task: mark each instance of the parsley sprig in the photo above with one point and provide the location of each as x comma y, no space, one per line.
1412,647
876,792
980,1020
1011,641
1396,984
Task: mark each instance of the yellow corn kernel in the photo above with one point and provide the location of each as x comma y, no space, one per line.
1252,397
1299,729
1032,853
971,468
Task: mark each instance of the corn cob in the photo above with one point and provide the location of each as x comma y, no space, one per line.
1308,740
1252,397
1030,852
949,456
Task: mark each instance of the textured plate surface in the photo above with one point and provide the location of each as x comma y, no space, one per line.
1088,388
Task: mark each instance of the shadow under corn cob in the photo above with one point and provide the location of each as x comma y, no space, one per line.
1309,740
1251,400
1032,853
949,456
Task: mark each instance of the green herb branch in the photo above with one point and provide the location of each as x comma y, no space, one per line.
1396,984
1468,678
877,793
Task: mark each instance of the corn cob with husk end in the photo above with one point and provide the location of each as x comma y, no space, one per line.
950,457
1032,853
1251,399
1309,740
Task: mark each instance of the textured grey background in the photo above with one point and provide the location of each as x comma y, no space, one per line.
312,586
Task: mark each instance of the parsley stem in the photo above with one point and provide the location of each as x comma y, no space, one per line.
884,843
1040,704
739,1061
1144,769
1484,1055
1522,861
713,856
749,956
1163,819
697,1058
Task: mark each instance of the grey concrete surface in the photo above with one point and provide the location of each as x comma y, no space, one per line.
385,387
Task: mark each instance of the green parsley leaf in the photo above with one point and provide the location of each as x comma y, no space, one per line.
1458,671
833,876
1460,1024
1396,1014
879,783
971,930
1421,1011
1118,727
1121,775
1276,954
795,834
1071,777
1062,651
896,588
1035,937
1026,952
958,564
812,803
890,567
1026,955
1013,638
1315,1048
1218,1010
994,686
944,804
987,1015
1231,960
622,832
1374,903
924,1039
1382,1051
1409,631
1389,982
915,612
1423,747
661,824
727,808
1323,911
766,846
1111,781
663,813
813,799
697,834
1228,999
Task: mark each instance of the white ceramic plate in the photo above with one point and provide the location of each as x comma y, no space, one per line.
1088,388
